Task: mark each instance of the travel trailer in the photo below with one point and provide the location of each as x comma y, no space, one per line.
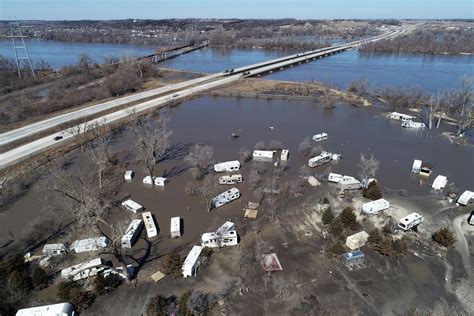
175,227
465,198
132,206
231,179
228,166
284,155
191,263
225,197
357,240
349,184
375,207
226,235
401,117
89,244
61,309
410,221
416,168
158,181
133,231
336,178
150,226
265,154
129,175
320,137
413,124
440,182
84,270
54,249
323,158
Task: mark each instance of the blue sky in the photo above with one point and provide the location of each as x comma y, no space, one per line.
300,9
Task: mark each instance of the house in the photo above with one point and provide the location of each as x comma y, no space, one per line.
416,166
320,137
231,179
440,182
54,249
158,181
89,244
175,227
411,221
133,231
323,158
228,166
84,270
129,175
61,309
465,198
265,154
374,207
191,263
353,259
132,206
284,155
150,226
357,240
225,197
226,235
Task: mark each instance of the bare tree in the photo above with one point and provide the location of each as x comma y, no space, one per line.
276,145
463,106
153,138
328,100
199,160
434,105
359,87
305,147
245,155
85,63
260,145
368,166
206,190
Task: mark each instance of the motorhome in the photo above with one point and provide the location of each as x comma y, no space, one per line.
54,249
132,206
413,124
401,117
465,198
191,263
89,244
133,231
284,155
228,166
225,197
61,309
349,184
416,166
410,221
323,158
226,235
129,175
440,182
150,226
263,154
320,137
84,270
158,181
175,227
231,179
375,207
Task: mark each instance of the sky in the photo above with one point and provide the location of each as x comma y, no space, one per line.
298,9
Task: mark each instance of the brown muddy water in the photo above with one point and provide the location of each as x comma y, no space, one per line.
210,121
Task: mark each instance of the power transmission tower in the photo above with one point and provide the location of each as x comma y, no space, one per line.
17,36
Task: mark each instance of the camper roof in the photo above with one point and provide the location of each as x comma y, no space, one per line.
54,309
192,257
466,197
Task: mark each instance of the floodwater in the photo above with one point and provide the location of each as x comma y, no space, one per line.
210,121
59,54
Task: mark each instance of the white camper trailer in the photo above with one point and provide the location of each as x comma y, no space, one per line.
284,155
228,166
129,175
84,270
320,137
226,235
465,198
133,231
61,309
401,117
54,249
356,241
349,184
191,263
132,206
150,226
89,244
225,197
158,181
263,154
336,178
323,158
175,227
410,221
416,166
439,183
375,207
413,124
231,179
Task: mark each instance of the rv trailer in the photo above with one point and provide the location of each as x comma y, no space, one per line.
349,184
191,263
133,231
129,175
320,137
89,244
84,270
465,198
175,227
284,155
263,154
225,197
413,124
401,116
439,183
61,309
410,221
416,166
375,207
226,235
231,179
228,166
150,226
158,181
54,249
132,206
323,158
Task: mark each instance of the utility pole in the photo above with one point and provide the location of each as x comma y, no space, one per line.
17,36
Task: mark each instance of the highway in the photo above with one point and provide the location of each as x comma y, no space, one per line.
175,92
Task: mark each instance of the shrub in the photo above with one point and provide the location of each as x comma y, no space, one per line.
198,303
375,236
336,228
159,306
183,304
400,247
349,219
106,284
173,264
373,191
445,237
39,278
337,249
73,293
328,216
